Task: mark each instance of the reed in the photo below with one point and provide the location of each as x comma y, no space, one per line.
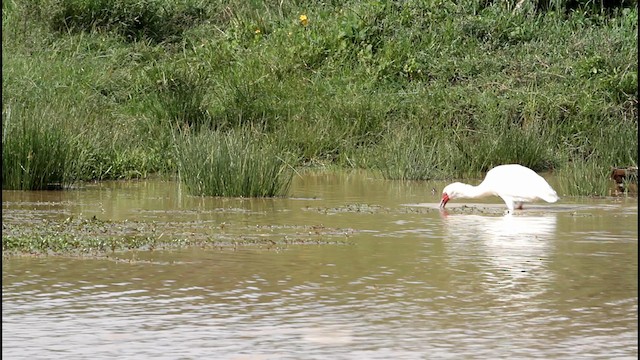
39,152
236,163
588,178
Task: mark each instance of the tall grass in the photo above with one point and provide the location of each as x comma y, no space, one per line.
181,98
415,89
38,152
595,153
237,163
587,178
408,154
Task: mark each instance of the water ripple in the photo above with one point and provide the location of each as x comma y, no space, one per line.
409,286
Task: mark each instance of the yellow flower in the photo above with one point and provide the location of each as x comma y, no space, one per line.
304,20
257,31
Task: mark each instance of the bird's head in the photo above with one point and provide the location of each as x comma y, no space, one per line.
451,191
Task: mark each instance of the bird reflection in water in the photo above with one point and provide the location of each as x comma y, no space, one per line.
511,252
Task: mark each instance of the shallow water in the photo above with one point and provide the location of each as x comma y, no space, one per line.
392,278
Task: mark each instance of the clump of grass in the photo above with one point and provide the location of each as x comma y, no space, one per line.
585,178
629,185
237,163
38,152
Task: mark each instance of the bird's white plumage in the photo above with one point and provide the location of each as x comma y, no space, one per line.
513,183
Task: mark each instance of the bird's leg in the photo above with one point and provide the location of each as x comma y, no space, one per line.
509,202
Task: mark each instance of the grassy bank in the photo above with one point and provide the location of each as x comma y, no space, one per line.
414,89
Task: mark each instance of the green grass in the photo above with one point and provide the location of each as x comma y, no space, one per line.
233,163
415,89
585,179
39,154
407,154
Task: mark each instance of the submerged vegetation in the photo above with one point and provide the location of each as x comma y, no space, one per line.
94,237
96,89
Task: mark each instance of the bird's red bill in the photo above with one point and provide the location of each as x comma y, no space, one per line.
444,201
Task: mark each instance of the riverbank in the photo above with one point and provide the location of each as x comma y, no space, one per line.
98,90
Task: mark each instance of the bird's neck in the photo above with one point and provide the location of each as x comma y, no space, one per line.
471,191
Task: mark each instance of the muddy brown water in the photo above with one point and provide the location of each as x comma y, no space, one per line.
389,277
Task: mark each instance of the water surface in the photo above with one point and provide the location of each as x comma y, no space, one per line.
391,278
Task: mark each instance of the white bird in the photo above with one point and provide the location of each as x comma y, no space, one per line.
514,183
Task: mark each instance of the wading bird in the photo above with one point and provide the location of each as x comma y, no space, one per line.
514,183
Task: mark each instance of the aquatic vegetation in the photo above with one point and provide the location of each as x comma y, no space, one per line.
585,179
233,163
95,237
39,154
351,208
